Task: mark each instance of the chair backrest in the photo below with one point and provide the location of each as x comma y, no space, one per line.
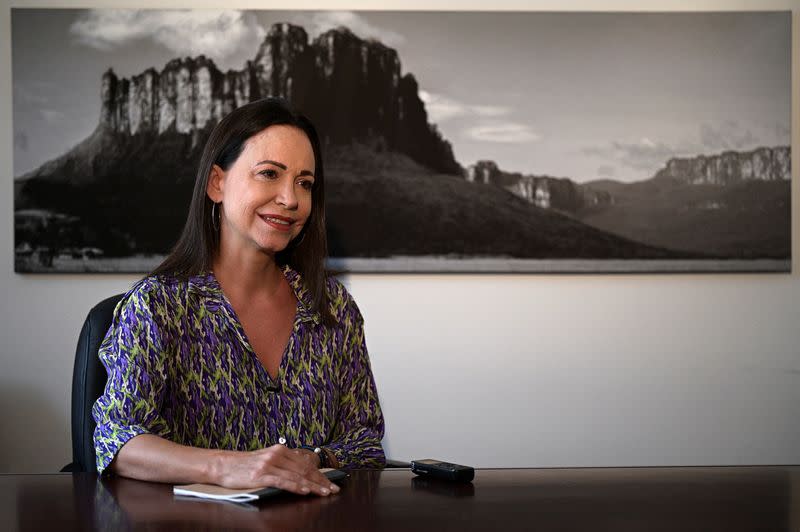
88,381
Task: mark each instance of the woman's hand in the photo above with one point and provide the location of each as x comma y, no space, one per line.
293,470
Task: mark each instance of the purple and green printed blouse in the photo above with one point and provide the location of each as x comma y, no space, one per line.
181,367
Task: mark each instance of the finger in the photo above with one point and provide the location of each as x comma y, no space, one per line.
314,476
296,482
293,460
287,484
312,472
323,480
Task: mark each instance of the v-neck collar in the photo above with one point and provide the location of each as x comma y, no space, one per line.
207,285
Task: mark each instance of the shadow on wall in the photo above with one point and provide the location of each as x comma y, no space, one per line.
36,438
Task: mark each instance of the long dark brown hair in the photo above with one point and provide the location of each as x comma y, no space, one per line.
199,242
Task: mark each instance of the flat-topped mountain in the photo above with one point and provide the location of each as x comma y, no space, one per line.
351,88
735,204
731,167
544,191
728,168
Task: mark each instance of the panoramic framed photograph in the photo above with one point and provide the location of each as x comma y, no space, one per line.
453,141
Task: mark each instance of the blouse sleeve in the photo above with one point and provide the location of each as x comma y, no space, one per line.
134,357
356,439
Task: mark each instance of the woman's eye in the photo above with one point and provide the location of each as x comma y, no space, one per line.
269,173
307,184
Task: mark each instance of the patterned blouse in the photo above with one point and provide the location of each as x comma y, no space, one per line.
180,366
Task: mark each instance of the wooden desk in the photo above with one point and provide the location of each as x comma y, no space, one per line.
627,499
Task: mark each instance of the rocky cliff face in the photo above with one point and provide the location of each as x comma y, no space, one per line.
351,88
543,191
762,164
185,96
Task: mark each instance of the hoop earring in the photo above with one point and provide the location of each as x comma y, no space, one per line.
214,222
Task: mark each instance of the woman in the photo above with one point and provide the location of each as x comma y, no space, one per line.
238,361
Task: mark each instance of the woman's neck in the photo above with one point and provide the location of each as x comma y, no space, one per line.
244,278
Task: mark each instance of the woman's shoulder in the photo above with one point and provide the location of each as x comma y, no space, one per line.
146,316
341,303
155,293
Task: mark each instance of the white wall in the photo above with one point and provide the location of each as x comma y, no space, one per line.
489,370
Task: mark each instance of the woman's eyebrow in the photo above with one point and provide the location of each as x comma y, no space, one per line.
267,161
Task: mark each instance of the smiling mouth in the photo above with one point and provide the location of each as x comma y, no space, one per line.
278,222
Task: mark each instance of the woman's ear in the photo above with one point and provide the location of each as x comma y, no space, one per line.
216,184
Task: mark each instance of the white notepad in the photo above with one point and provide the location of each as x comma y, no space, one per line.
218,493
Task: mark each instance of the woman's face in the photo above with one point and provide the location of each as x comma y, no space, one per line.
266,193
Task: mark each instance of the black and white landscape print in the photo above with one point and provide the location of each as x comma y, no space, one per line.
454,141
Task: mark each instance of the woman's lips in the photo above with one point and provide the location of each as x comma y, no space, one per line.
281,223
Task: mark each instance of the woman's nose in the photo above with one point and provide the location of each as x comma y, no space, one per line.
286,194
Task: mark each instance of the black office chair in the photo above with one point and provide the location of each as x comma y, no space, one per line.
88,381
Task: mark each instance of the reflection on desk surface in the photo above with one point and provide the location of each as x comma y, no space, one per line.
652,499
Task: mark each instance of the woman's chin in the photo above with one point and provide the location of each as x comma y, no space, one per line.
274,245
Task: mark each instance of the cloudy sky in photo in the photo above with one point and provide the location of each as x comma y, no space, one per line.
580,95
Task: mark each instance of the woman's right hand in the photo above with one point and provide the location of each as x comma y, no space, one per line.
293,470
